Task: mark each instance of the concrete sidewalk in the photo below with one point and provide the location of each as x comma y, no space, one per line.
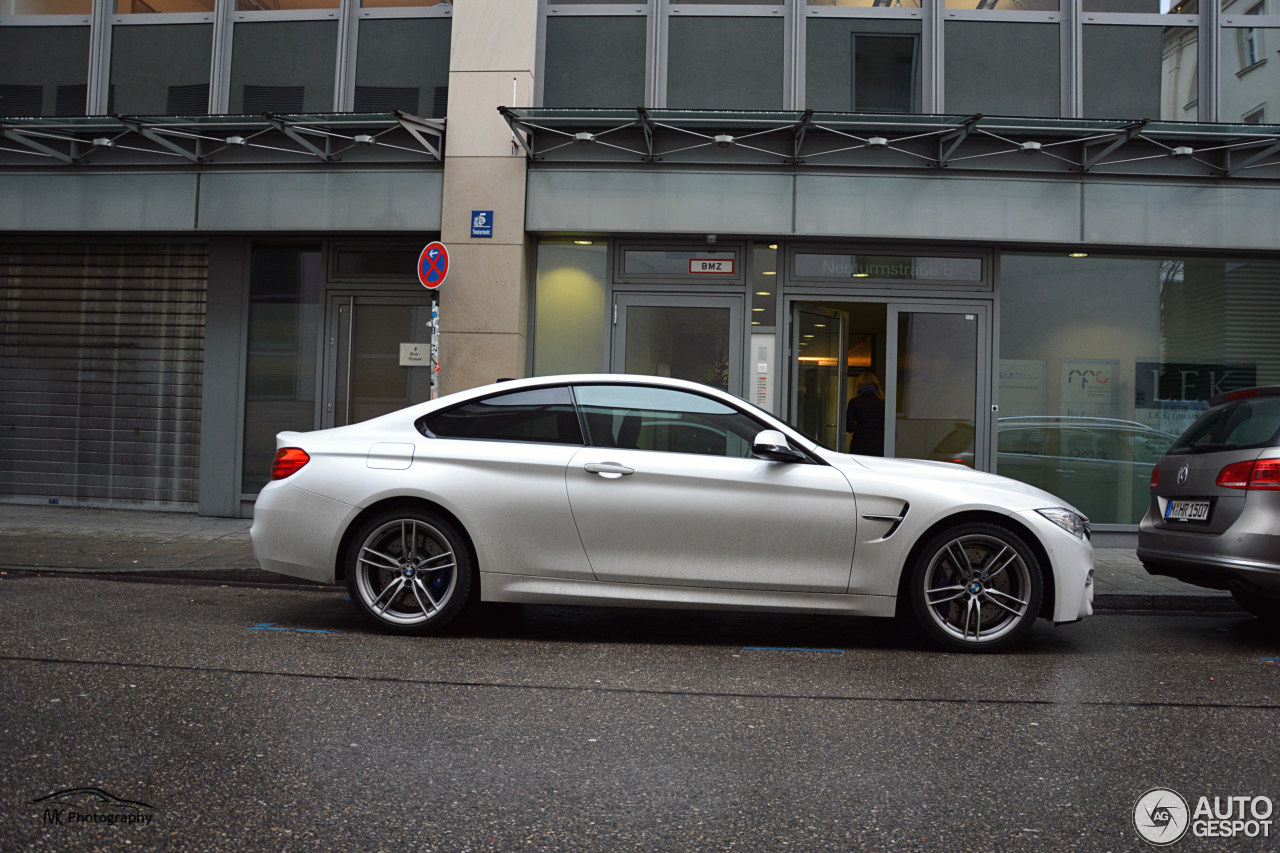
184,546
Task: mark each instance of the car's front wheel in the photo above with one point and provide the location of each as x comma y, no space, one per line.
409,570
976,587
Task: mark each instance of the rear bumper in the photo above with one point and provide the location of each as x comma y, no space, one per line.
1210,570
294,532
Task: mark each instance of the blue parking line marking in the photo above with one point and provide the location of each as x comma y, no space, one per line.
788,649
271,626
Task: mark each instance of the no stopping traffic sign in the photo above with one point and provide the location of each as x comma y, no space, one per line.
433,265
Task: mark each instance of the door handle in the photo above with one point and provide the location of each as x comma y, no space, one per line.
611,470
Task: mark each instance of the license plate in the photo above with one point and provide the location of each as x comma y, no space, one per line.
1187,511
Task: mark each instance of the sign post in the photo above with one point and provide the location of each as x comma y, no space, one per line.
433,266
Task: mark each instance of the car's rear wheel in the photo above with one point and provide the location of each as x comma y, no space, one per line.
409,570
1263,606
976,587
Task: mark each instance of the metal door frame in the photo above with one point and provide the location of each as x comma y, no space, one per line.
623,300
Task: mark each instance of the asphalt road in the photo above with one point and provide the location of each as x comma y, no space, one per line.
232,718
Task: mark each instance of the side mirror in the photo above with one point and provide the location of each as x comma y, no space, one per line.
772,445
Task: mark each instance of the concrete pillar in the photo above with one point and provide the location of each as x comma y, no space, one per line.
484,301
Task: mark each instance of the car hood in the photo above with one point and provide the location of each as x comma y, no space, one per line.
926,472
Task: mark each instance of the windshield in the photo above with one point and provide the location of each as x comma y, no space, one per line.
1238,425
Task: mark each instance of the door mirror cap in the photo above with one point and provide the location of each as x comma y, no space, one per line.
772,445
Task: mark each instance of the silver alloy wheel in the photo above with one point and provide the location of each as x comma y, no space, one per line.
977,589
406,572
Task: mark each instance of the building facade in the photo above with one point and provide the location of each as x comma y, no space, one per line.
1049,227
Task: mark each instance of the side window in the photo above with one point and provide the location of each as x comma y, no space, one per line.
542,415
639,418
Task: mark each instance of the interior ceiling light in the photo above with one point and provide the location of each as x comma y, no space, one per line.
582,243
861,275
764,293
773,246
1078,255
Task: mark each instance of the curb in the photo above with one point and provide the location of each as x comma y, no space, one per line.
1103,603
1126,602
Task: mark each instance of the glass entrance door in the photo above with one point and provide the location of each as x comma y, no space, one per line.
698,338
937,387
379,357
932,358
818,340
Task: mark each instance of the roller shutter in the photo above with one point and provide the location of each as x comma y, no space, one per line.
100,373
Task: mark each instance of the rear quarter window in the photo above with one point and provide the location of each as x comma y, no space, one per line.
543,415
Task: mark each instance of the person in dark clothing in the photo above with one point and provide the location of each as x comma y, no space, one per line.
864,417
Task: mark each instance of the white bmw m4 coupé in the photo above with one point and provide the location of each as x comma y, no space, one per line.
644,491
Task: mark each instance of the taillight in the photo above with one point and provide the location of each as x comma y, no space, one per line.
1155,477
1235,475
1252,474
288,460
1266,475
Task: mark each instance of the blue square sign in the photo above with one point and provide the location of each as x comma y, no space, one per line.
482,223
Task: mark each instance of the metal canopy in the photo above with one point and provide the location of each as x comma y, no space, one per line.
220,140
866,141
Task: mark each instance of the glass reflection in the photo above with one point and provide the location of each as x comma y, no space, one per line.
145,7
46,7
284,5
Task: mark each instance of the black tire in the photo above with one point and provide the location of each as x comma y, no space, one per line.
975,587
1264,607
409,570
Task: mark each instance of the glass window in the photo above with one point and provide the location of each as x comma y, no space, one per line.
651,263
764,283
161,69
403,64
594,61
387,4
846,267
1246,86
1113,357
635,417
46,7
543,415
1005,5
45,71
278,5
725,63
145,7
869,4
1175,7
283,67
1003,68
1158,65
862,65
569,307
280,374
